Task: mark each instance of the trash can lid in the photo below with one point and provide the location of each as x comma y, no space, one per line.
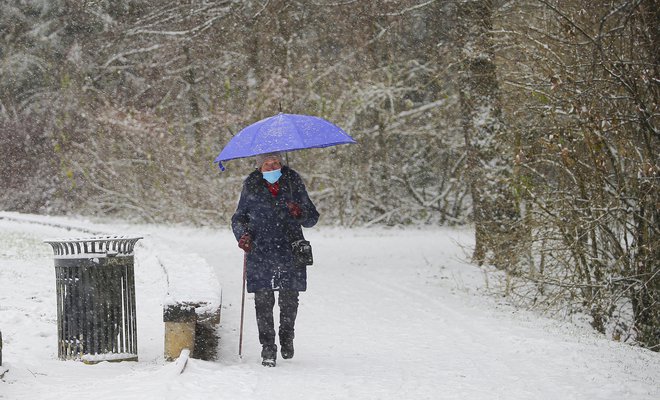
94,246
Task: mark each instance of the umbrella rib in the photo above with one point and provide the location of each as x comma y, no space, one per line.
258,133
299,135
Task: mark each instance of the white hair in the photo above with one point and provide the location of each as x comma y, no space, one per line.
261,158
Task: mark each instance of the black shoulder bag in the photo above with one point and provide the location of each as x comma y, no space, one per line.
302,252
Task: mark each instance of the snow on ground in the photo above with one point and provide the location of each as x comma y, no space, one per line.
389,314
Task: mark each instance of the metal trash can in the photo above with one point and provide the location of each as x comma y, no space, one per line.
95,281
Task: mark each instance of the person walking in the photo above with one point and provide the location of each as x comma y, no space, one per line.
272,209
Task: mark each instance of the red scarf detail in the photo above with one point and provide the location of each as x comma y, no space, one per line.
274,188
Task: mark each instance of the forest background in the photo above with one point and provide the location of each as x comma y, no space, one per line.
534,120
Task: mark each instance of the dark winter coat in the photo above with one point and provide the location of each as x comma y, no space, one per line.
266,218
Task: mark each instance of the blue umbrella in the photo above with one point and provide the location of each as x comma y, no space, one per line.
283,132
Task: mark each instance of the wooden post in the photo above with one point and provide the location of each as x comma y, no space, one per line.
180,321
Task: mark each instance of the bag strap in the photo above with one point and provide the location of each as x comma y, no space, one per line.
289,178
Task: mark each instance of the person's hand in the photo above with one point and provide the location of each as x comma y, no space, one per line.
294,209
245,242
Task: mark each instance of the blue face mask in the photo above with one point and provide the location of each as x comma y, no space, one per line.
272,176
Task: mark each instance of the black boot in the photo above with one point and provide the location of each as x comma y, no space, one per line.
287,349
268,355
264,301
288,301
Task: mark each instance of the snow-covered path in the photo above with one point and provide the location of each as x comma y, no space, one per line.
388,315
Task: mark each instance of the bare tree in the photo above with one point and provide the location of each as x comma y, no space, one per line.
587,157
489,170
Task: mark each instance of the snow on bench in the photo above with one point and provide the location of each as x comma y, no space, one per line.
191,308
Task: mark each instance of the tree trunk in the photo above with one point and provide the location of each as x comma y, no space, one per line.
646,292
494,208
194,126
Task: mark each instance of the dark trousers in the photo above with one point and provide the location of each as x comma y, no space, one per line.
264,301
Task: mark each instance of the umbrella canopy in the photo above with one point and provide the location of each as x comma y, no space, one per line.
283,132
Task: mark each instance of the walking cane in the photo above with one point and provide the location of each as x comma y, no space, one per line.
240,340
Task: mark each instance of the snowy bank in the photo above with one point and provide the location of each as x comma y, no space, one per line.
389,314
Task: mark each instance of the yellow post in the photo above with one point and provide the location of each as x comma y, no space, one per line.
180,322
179,336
